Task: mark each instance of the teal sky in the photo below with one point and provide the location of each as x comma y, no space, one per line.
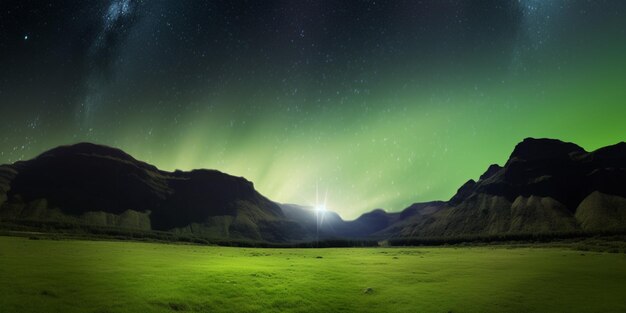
383,104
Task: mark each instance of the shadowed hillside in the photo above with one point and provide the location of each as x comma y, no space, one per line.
101,186
545,187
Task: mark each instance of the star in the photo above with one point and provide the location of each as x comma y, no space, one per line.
382,97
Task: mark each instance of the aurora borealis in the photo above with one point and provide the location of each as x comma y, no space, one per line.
383,103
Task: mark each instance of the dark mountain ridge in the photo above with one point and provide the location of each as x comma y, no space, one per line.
99,185
546,186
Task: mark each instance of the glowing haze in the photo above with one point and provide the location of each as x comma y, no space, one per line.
383,103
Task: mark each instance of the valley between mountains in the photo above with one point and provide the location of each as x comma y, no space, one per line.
545,187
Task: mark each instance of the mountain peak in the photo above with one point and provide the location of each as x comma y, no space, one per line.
617,150
88,148
544,148
97,185
377,211
493,168
464,191
92,149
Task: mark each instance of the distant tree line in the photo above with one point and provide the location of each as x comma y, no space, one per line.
60,230
73,230
522,237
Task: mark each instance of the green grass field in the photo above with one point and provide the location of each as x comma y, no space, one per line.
105,276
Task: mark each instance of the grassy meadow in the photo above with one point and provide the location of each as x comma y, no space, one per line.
109,276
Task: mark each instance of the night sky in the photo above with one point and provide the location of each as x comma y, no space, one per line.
382,103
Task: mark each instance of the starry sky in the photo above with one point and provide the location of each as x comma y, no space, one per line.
378,103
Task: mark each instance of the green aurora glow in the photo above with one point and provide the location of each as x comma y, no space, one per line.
384,136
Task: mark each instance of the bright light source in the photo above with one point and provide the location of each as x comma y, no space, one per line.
320,206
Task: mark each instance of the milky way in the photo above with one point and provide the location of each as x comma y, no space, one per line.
383,103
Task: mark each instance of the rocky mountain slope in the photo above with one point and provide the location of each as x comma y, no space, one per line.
329,225
89,184
546,186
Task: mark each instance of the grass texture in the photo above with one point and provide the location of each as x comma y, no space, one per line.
109,276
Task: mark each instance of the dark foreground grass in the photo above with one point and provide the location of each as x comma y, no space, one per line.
102,276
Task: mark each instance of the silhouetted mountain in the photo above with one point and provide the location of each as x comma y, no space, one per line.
368,224
329,225
102,186
546,186
317,224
